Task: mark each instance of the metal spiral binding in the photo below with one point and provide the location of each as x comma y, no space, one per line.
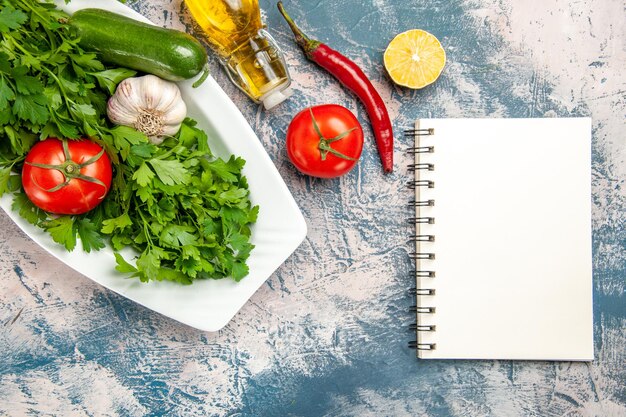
428,220
422,310
422,238
418,238
422,328
417,167
422,291
414,203
424,274
421,149
422,255
420,183
422,346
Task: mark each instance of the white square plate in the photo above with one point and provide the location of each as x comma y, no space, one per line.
280,228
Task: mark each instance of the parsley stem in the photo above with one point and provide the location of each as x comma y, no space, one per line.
68,101
11,162
8,80
168,153
145,228
20,47
35,11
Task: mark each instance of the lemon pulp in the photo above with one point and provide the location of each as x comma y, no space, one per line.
414,58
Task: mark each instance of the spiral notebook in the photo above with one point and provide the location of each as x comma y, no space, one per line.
503,239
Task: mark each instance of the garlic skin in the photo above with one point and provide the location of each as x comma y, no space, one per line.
149,104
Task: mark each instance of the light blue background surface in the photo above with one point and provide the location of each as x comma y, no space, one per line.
326,335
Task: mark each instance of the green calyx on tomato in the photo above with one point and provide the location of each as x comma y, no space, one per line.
66,177
324,144
324,141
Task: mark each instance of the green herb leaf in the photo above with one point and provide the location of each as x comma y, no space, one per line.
5,173
6,94
89,236
66,128
117,223
31,108
30,61
27,209
233,195
227,171
87,61
239,242
68,86
171,172
124,137
145,194
253,214
175,236
4,63
109,79
122,265
143,150
63,231
143,175
26,84
53,93
11,18
15,183
83,111
167,274
240,270
149,265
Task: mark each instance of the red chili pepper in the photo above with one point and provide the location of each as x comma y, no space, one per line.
353,78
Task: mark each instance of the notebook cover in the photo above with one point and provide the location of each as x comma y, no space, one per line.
512,227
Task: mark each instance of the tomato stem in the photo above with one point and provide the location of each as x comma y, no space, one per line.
70,168
324,144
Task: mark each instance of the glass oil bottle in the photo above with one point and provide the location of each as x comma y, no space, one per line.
249,54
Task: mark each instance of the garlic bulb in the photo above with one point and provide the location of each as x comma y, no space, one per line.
150,105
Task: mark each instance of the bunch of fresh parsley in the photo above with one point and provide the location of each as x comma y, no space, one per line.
187,213
49,86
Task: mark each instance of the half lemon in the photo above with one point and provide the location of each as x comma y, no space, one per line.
414,58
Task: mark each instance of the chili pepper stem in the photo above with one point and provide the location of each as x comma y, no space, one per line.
307,44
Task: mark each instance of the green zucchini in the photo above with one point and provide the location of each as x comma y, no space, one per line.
125,42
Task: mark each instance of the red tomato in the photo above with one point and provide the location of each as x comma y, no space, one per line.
70,180
334,152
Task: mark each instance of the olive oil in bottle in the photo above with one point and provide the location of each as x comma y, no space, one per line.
249,54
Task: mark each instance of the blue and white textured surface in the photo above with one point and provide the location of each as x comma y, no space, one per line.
326,334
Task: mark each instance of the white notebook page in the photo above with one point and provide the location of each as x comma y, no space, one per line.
512,239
